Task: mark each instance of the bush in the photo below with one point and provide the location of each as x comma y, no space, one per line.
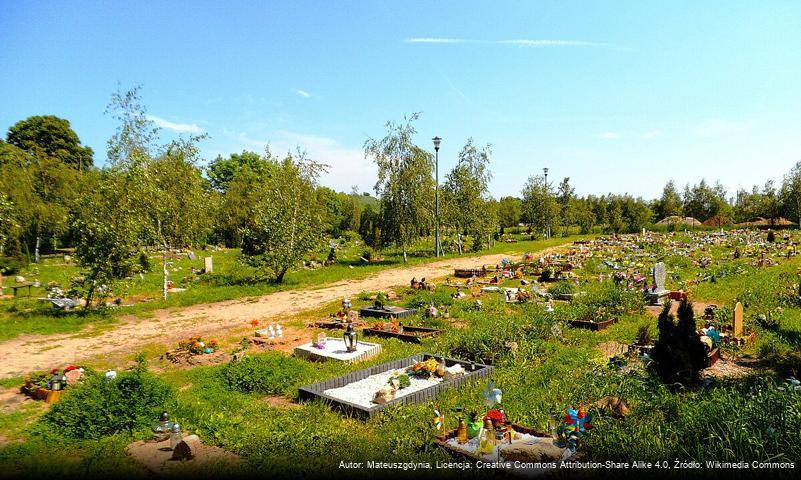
267,374
97,408
563,288
11,265
144,261
679,355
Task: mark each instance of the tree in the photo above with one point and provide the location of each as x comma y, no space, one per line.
790,193
466,195
565,195
703,201
50,136
287,219
583,215
405,184
8,224
539,205
134,141
670,204
510,211
237,192
107,235
222,171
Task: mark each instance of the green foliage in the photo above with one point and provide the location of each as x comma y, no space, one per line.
107,233
679,356
50,136
405,184
286,223
272,374
97,408
562,288
540,208
466,202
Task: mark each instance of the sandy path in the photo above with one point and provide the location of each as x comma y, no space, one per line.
28,353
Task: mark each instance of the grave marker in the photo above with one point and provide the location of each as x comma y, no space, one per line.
208,264
738,320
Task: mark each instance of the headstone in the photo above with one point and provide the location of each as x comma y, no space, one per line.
191,255
208,264
738,319
659,276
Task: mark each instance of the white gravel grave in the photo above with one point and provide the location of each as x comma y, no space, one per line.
335,349
361,392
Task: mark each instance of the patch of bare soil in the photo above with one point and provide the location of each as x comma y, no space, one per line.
156,456
11,399
186,359
733,367
279,401
612,348
25,354
698,308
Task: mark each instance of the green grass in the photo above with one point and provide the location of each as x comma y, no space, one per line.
732,420
231,280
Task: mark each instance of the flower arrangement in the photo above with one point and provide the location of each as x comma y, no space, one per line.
496,416
197,346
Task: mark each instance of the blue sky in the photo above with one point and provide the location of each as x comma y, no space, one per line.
619,96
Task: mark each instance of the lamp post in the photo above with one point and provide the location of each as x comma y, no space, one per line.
547,192
437,141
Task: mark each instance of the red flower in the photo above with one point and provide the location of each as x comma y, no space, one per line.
254,323
496,416
70,368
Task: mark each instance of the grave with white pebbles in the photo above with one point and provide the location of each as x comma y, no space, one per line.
361,392
335,349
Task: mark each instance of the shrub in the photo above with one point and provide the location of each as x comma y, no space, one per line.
644,336
11,265
771,236
97,408
679,355
267,374
144,261
563,288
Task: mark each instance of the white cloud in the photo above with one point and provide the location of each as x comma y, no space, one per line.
536,43
346,165
715,127
302,93
175,127
437,40
607,135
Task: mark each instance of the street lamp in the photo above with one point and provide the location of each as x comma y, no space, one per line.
547,192
437,141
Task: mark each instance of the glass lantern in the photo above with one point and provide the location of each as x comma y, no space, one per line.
162,429
351,339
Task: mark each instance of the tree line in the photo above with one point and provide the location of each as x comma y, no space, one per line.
152,194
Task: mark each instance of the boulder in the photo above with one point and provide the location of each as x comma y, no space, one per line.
384,395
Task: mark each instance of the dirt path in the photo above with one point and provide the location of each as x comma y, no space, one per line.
28,353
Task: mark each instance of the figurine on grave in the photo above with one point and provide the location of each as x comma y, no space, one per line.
346,304
320,341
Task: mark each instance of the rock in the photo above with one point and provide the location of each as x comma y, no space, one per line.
187,449
616,406
384,395
539,452
19,279
392,296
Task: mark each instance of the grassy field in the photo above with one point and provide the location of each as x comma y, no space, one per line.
231,280
731,419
